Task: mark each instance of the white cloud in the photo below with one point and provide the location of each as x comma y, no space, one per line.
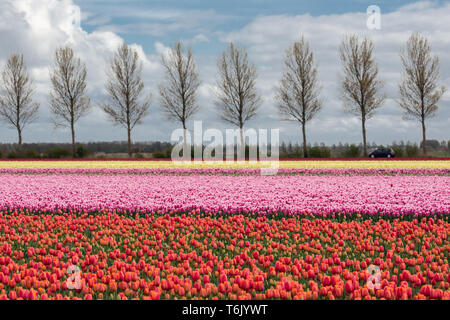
199,38
156,22
266,38
161,48
36,28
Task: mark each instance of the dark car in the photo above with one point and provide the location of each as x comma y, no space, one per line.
382,153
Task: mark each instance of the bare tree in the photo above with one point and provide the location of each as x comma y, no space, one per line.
17,107
419,92
298,93
125,88
237,97
68,99
360,85
178,91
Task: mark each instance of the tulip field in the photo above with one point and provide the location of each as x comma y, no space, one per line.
340,229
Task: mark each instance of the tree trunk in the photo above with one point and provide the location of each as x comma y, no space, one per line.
19,133
129,142
186,152
424,138
305,148
363,122
72,127
241,150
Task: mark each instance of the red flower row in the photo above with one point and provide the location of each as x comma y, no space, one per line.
199,256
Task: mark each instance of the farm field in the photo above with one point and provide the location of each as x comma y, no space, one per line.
329,229
284,164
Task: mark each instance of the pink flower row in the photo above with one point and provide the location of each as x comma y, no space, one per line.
394,195
221,171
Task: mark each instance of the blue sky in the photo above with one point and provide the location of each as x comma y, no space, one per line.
212,16
264,28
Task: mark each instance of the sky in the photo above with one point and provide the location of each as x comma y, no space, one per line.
265,28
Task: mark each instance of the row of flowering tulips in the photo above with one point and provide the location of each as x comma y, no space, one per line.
224,171
297,164
199,255
371,195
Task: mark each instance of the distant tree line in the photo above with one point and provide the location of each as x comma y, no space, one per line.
298,94
83,150
401,149
163,149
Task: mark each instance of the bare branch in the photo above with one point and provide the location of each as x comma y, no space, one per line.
298,92
68,99
237,97
178,91
17,107
419,91
125,89
360,85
